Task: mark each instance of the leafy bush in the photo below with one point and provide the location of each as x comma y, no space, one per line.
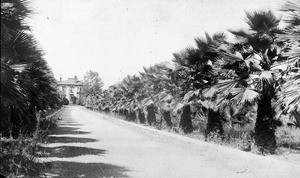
80,101
288,137
73,99
45,125
65,101
18,156
27,82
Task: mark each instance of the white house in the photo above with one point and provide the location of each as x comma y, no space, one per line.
71,87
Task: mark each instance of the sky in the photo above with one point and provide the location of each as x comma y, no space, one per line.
117,38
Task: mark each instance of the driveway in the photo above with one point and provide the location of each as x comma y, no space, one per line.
90,144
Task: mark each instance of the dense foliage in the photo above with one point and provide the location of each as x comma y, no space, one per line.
220,84
92,88
27,83
92,83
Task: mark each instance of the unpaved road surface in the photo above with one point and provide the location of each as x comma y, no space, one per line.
89,144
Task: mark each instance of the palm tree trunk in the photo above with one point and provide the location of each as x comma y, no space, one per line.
167,118
266,65
126,114
213,122
265,125
5,122
15,123
141,116
186,120
132,116
151,118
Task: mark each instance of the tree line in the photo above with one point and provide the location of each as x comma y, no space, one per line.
252,82
27,83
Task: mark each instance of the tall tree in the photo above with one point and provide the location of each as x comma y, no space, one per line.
25,91
92,83
198,66
251,60
289,96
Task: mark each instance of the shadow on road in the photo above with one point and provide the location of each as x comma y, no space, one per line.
78,169
67,160
72,167
70,124
72,151
64,130
54,139
75,169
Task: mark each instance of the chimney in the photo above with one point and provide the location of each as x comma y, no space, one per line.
75,78
60,78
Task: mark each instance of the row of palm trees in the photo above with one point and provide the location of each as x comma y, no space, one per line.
27,83
250,81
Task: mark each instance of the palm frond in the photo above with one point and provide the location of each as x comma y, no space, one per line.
261,21
176,106
209,104
290,34
242,34
19,67
224,86
230,58
13,14
202,43
208,38
190,95
294,56
165,96
219,37
292,8
180,60
289,98
266,75
209,92
11,92
243,96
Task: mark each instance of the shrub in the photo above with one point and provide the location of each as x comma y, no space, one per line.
73,99
288,137
13,157
45,125
80,101
18,156
237,137
65,101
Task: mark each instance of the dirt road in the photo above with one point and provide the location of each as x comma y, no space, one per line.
88,144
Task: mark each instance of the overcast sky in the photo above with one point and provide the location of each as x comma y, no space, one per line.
119,37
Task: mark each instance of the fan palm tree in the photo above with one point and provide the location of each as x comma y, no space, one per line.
289,97
22,93
198,66
263,26
253,78
154,81
12,98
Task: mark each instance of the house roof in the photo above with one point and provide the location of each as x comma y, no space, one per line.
70,81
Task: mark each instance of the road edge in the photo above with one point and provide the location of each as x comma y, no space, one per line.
188,139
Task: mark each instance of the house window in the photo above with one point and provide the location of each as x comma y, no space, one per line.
71,89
